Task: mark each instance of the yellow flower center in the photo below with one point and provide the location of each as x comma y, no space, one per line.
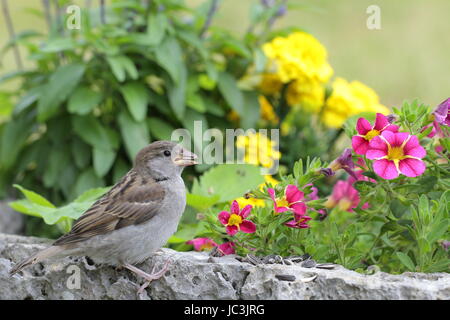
282,202
395,153
206,246
235,220
344,204
371,134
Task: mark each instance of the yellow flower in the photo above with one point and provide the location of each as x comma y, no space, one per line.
308,93
299,55
270,84
254,201
259,150
267,112
348,99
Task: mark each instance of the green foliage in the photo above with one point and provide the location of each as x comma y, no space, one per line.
94,96
37,206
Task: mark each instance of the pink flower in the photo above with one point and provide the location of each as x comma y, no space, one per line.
344,161
202,244
235,220
291,201
396,153
442,113
366,132
299,222
433,131
344,196
227,248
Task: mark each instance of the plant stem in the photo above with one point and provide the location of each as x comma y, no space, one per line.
12,35
211,12
102,12
48,15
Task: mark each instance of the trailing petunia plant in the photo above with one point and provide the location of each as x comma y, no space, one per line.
389,206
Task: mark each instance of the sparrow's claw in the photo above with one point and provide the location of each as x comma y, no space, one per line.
148,277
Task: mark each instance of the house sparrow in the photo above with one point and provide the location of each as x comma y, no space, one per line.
134,219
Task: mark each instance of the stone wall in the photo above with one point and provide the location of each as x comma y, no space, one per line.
196,275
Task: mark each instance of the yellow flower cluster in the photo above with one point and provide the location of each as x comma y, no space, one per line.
258,149
301,60
348,99
267,112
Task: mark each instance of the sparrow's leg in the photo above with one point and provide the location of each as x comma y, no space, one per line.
148,277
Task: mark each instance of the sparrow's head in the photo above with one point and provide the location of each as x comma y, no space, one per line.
164,159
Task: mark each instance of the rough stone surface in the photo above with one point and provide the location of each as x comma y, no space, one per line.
10,221
196,275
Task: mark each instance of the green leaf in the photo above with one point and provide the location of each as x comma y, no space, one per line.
177,94
406,260
103,160
87,180
34,197
26,207
92,132
58,45
156,27
81,153
92,194
231,93
201,203
28,99
83,100
61,83
135,134
160,129
57,162
170,57
251,110
437,231
137,99
13,138
228,181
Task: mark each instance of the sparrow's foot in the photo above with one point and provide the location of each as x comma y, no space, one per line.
148,277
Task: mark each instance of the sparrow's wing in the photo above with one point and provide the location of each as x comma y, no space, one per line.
133,200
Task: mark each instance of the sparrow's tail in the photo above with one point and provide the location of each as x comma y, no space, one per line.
35,258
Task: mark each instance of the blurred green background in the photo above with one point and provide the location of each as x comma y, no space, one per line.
407,58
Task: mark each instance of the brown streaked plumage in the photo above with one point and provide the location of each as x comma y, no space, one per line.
134,218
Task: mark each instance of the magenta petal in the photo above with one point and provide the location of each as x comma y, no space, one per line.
339,190
232,230
227,248
400,137
248,226
281,209
392,128
363,126
293,194
411,167
378,144
246,211
224,216
360,145
388,136
385,169
271,193
375,154
413,148
234,207
381,122
299,208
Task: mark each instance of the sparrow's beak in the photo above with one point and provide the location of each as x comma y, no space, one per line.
185,158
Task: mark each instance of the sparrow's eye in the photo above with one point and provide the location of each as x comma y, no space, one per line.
167,153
